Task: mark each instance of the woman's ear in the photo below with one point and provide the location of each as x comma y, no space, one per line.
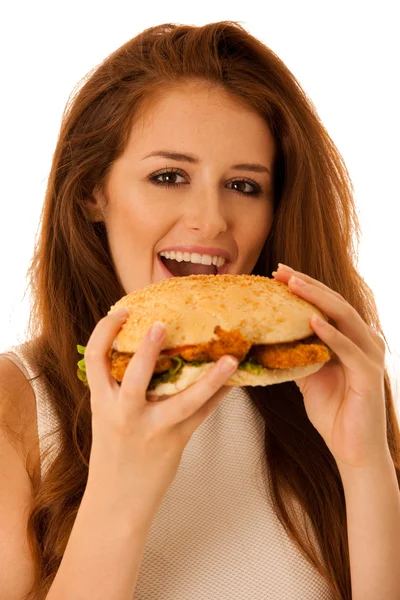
94,206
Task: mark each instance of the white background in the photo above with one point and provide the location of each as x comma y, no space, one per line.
344,53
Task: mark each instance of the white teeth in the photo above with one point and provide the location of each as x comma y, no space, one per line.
195,258
179,256
206,259
203,259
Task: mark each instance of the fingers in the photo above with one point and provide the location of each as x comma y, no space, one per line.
347,319
141,366
140,371
348,352
97,360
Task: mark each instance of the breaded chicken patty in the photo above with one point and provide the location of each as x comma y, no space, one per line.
291,354
228,342
273,356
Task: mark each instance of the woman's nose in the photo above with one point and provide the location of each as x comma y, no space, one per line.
206,214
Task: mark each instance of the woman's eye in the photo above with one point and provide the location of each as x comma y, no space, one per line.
242,184
239,185
170,175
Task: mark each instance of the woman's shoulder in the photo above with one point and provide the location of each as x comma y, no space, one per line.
18,411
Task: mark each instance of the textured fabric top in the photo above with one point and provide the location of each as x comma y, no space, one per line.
47,423
215,534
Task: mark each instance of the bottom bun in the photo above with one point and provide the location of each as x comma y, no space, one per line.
189,375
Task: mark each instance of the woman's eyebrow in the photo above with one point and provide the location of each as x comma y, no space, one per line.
190,158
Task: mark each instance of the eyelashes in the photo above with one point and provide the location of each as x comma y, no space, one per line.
153,178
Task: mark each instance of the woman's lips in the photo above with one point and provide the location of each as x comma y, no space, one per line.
167,274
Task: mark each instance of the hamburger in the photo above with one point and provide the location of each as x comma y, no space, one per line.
256,319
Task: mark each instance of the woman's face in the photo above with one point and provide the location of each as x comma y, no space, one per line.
210,209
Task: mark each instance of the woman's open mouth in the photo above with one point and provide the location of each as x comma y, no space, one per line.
174,268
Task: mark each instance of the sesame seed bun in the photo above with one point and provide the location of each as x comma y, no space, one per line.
263,310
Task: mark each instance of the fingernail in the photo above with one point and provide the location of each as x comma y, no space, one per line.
157,331
317,320
281,265
297,281
121,313
228,364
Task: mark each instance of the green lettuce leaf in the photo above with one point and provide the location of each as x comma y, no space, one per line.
252,366
81,372
173,373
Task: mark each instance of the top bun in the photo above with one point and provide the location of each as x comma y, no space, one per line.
264,311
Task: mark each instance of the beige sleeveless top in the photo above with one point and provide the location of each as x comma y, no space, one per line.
215,535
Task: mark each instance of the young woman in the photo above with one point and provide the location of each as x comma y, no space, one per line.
196,138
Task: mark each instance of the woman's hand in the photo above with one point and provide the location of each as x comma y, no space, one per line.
137,445
345,399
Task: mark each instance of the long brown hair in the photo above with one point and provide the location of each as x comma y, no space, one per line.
73,282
